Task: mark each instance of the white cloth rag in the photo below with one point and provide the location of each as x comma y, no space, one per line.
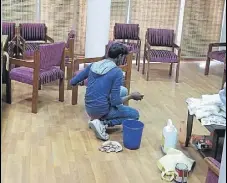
111,146
210,109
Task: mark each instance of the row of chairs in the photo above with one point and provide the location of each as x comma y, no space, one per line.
48,64
33,34
129,34
25,37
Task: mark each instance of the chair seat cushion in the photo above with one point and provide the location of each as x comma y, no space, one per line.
218,55
25,75
162,56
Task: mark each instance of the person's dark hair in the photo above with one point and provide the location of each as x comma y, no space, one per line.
117,49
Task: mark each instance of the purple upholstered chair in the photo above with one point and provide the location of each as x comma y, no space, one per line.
213,171
129,34
161,38
31,36
48,66
215,55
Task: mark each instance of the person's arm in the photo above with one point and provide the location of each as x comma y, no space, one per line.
126,98
115,98
135,96
81,76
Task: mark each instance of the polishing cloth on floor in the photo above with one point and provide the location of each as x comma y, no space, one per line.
111,146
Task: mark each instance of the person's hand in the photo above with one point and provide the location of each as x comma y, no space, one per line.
136,96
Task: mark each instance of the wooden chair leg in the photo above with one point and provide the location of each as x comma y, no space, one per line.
177,73
8,89
74,95
148,70
207,69
40,86
69,77
138,69
35,97
171,69
144,60
61,90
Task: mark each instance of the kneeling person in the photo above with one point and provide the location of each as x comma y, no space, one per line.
104,99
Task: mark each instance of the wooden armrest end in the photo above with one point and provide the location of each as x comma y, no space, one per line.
20,62
212,166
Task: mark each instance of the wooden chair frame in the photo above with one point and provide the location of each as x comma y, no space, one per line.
147,48
36,66
212,166
69,65
126,68
210,49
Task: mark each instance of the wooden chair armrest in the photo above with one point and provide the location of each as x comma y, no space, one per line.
48,38
76,62
88,60
148,45
217,44
176,46
139,42
211,165
20,62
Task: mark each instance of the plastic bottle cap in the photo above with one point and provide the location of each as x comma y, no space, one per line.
170,123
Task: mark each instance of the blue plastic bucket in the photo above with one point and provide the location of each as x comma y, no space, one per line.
132,134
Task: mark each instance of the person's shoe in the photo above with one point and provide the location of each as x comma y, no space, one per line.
99,128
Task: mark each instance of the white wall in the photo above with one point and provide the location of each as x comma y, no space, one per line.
180,22
223,31
1,62
98,25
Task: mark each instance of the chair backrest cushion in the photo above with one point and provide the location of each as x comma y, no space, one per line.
33,31
160,37
51,54
71,35
8,28
126,31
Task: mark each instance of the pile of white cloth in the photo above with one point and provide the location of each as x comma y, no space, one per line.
211,109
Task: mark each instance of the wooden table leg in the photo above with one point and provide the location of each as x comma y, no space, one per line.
215,144
8,89
189,129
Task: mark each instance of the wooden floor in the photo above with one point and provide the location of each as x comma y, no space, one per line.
56,145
